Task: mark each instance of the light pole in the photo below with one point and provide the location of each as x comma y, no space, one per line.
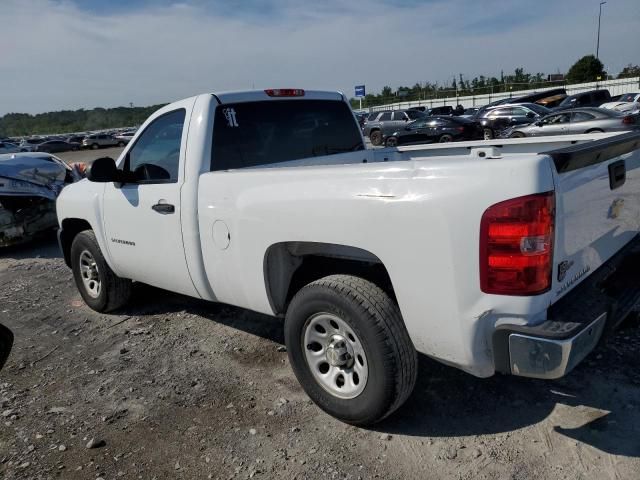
598,42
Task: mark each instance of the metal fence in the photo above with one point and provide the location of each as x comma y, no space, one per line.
615,87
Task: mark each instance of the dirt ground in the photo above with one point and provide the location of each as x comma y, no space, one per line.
172,387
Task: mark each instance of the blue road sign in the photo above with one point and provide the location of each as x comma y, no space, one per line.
360,91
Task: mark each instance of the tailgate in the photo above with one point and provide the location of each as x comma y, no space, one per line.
597,206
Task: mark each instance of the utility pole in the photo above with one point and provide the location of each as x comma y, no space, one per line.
598,42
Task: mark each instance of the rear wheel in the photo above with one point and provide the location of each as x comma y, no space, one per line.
349,349
517,135
376,137
446,138
95,146
392,142
595,130
121,144
100,288
487,133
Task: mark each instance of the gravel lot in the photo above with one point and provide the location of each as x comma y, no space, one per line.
172,387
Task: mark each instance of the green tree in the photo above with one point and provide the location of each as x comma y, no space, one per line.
587,69
630,71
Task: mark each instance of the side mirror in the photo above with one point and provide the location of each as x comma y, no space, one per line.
103,170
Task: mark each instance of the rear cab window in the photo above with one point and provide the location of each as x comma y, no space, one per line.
254,134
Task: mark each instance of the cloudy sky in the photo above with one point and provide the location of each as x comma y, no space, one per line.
69,54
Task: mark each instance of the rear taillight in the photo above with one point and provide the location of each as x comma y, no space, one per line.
628,120
460,129
285,92
516,245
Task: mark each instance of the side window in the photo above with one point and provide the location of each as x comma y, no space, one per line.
414,114
581,117
399,116
155,157
584,100
372,116
385,117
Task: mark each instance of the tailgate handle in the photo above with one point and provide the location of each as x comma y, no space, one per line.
617,174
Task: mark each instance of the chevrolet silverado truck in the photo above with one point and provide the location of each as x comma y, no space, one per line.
510,256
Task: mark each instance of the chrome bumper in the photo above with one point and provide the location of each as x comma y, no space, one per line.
537,357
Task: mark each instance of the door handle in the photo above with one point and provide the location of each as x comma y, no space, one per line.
164,208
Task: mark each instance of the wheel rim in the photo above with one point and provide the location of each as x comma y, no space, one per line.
445,139
335,356
392,142
488,134
90,275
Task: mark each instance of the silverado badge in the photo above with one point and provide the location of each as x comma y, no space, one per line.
563,268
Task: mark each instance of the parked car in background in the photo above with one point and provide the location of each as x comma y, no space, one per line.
99,140
8,147
75,138
54,146
388,122
444,110
496,119
628,102
124,138
591,98
29,144
575,121
435,129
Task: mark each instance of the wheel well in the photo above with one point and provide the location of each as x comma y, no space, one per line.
595,130
289,266
70,228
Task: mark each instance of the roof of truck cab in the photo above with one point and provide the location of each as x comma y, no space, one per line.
260,95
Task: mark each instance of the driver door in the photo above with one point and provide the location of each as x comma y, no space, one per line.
142,217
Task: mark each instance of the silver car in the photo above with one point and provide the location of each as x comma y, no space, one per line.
98,140
574,121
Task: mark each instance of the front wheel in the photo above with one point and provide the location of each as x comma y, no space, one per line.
121,144
487,133
446,138
517,135
392,142
349,349
100,288
95,146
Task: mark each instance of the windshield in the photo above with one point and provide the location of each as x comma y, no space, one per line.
628,97
254,134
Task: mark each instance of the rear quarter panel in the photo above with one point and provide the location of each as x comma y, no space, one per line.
421,217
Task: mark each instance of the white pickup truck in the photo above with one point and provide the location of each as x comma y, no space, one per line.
508,256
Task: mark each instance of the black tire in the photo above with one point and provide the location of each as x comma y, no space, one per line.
114,292
391,142
95,146
487,133
446,138
594,130
121,144
517,135
376,321
376,138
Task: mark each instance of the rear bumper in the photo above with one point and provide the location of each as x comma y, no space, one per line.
576,323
